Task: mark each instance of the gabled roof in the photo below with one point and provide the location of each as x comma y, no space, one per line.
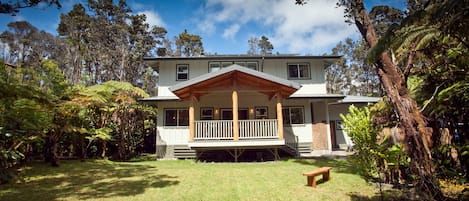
319,96
235,77
244,56
359,99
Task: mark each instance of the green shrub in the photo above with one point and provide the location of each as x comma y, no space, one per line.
376,156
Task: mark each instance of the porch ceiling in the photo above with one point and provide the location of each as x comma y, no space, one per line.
238,78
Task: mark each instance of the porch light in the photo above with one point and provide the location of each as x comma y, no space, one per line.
216,110
251,110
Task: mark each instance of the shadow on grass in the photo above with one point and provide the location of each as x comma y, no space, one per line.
88,180
338,165
390,195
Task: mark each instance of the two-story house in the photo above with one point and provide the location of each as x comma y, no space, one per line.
237,103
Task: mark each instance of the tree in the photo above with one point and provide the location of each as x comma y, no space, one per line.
75,28
352,74
108,42
265,46
188,44
411,120
111,111
19,37
260,46
13,8
253,44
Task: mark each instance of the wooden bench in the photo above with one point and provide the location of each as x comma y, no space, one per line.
325,171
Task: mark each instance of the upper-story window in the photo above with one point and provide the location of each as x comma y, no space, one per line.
214,66
217,65
299,71
182,72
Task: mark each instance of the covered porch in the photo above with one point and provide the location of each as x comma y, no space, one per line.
237,132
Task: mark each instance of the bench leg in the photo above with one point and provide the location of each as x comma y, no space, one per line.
326,176
311,181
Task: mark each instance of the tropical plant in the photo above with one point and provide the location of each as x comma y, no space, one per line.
378,157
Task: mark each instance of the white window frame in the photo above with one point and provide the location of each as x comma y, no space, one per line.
289,115
178,72
178,118
218,65
204,116
298,71
259,115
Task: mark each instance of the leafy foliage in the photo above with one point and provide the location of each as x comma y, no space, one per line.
259,46
377,157
188,44
13,8
352,75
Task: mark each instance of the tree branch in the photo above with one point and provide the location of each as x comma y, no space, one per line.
431,98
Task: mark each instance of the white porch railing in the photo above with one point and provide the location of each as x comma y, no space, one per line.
258,128
248,129
214,130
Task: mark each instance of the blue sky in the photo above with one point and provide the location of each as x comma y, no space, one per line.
226,25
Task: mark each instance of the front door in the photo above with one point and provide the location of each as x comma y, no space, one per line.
333,134
227,114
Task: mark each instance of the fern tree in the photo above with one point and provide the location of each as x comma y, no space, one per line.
110,112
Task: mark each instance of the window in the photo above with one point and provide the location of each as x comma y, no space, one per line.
176,117
217,65
214,66
226,64
261,113
206,113
293,115
298,71
182,72
251,65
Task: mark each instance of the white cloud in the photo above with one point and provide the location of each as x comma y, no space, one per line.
312,28
18,17
153,18
231,31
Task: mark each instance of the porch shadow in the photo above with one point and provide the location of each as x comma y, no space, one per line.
338,165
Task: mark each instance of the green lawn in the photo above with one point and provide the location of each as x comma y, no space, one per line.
186,180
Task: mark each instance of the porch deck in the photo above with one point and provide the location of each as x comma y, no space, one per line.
229,144
252,133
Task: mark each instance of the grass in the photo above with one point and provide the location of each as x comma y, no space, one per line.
186,180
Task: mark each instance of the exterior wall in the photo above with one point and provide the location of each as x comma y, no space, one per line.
314,131
171,135
342,139
319,127
302,131
276,67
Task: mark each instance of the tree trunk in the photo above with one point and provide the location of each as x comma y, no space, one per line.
103,147
411,120
53,143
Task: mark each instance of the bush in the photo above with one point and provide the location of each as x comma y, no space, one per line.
9,160
376,156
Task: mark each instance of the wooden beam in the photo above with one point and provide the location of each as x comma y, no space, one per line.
192,118
279,116
234,97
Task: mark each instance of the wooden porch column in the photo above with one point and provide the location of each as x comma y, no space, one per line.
191,118
234,97
279,116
